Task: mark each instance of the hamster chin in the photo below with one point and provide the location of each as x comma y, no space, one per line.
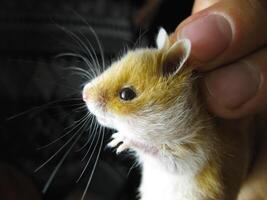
126,135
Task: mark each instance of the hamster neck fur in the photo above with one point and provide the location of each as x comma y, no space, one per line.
170,174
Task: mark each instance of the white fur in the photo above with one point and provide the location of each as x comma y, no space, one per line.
160,184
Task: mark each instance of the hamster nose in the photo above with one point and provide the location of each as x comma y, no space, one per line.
86,95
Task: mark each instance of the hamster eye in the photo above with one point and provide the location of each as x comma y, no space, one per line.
127,94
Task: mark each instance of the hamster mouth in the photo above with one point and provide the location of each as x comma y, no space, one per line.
123,143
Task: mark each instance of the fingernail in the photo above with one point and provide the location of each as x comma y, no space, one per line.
233,85
210,36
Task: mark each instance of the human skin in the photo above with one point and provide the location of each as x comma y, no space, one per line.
229,44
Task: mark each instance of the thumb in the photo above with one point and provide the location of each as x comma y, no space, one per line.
225,31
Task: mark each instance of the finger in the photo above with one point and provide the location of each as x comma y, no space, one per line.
255,185
225,31
202,4
238,89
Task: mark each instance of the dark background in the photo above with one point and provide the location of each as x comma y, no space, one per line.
41,93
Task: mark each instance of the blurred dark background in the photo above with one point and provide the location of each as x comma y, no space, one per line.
41,93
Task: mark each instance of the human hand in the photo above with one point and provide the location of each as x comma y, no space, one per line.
229,43
231,37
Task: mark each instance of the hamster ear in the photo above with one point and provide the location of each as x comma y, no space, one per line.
176,56
162,39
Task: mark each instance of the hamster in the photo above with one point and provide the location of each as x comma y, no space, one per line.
151,97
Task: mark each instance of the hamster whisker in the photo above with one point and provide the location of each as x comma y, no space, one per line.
96,37
63,146
93,133
86,143
80,108
92,67
92,71
134,165
58,83
76,124
92,31
70,113
82,71
60,164
87,62
139,39
90,157
79,121
92,52
99,47
88,115
81,44
41,107
96,161
89,138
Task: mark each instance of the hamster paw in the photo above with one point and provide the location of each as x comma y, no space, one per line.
119,141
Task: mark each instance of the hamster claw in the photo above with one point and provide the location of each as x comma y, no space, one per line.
114,143
121,148
117,138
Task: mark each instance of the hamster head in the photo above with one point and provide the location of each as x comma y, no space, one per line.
140,93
